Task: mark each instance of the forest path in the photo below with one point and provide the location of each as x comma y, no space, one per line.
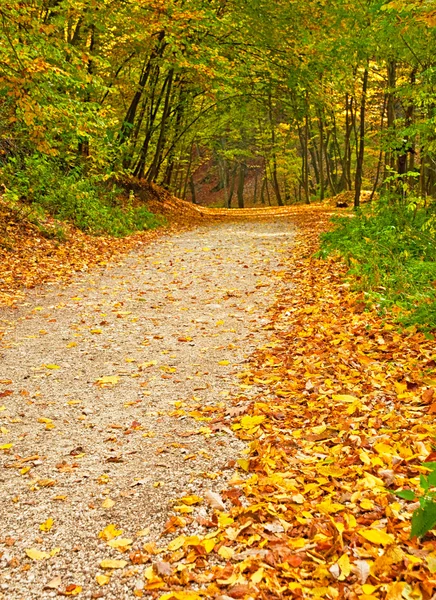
100,381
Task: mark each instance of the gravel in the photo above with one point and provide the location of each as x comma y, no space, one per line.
160,321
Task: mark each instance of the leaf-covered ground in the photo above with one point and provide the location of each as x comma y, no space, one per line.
345,416
336,409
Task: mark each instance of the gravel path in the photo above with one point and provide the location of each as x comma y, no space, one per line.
99,386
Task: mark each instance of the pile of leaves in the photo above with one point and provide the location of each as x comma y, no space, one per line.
343,418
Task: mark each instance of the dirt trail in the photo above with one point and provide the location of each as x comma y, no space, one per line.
99,386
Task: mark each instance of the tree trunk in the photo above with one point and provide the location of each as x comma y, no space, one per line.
129,119
153,170
274,177
241,184
192,186
321,158
361,150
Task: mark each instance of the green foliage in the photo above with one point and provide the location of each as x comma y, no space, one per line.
392,258
424,517
47,186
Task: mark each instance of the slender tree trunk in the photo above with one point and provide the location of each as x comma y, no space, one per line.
359,165
232,186
188,171
321,158
129,119
392,82
349,120
306,157
380,157
153,170
331,183
83,145
192,186
241,184
255,187
274,177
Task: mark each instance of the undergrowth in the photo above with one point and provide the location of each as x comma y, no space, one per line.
391,255
47,187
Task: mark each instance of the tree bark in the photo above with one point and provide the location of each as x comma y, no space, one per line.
361,150
241,184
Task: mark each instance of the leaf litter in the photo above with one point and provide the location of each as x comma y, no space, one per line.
345,418
336,409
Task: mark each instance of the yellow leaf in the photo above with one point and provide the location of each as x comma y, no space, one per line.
244,464
176,543
376,536
181,596
345,566
224,363
47,525
248,422
102,579
431,562
226,552
108,503
364,458
53,367
6,446
110,532
209,545
224,520
368,589
109,380
143,532
54,551
35,554
328,507
184,510
120,543
110,563
44,420
257,576
344,398
190,500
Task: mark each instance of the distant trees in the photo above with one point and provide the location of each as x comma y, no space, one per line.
320,97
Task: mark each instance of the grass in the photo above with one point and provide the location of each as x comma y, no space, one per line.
391,253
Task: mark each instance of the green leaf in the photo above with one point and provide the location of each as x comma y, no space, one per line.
405,494
423,482
423,520
430,465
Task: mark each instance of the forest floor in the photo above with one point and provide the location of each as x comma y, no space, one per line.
212,415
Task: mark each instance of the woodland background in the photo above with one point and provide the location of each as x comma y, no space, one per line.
228,103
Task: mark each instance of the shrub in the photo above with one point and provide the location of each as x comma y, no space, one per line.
392,258
67,193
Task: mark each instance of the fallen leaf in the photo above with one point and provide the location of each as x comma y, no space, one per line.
35,554
110,563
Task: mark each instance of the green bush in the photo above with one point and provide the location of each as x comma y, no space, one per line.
67,193
392,258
